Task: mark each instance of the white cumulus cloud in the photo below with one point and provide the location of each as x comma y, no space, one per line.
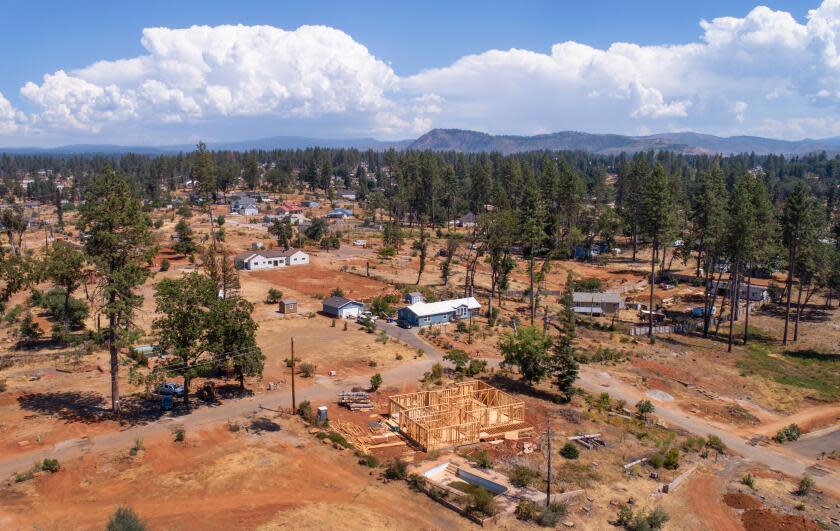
762,73
225,71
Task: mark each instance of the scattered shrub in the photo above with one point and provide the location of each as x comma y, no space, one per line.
483,460
180,434
273,296
526,510
715,443
125,519
416,482
749,481
396,469
656,460
164,264
368,460
805,485
307,370
375,382
304,410
672,459
482,502
338,439
644,408
570,451
138,445
552,514
50,465
522,476
24,476
788,433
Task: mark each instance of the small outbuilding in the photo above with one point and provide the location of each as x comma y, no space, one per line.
288,306
413,297
596,303
342,308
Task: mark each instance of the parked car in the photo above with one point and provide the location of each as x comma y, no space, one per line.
170,389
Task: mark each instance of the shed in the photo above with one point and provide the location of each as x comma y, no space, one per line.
288,306
597,303
342,307
413,297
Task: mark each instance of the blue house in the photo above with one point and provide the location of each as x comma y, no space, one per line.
429,313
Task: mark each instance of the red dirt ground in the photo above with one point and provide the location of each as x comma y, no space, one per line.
767,520
739,500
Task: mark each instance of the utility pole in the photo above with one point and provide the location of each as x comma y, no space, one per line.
548,483
294,405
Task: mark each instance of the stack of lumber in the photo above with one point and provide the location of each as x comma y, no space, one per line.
589,441
355,400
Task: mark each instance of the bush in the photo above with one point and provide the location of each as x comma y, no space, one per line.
387,252
50,465
307,370
483,459
644,408
788,433
416,482
337,292
526,510
164,264
180,435
368,460
125,519
672,459
714,442
749,481
396,469
570,451
304,410
805,485
482,502
552,514
338,439
642,521
522,476
29,329
656,460
273,296
375,382
53,301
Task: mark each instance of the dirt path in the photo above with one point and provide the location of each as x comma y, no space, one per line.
780,459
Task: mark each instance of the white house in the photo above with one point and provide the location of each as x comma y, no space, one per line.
244,205
270,259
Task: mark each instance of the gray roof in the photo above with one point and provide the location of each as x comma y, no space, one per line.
289,301
596,297
340,302
416,294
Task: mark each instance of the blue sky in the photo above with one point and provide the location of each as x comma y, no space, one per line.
395,69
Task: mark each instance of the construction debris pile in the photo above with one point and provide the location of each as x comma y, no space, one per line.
355,400
377,435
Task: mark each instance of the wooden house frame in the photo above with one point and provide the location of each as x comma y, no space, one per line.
459,414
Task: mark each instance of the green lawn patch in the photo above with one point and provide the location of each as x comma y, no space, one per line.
807,369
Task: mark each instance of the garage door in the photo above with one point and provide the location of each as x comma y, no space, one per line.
349,312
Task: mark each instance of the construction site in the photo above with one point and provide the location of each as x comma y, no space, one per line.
463,413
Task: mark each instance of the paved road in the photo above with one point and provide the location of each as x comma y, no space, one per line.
590,379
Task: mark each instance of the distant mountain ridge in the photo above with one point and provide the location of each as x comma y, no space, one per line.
474,141
611,144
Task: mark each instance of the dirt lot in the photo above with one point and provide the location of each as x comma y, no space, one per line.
262,477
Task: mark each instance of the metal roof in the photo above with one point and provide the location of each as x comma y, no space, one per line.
425,309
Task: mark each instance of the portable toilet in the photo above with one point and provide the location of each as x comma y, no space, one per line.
322,414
